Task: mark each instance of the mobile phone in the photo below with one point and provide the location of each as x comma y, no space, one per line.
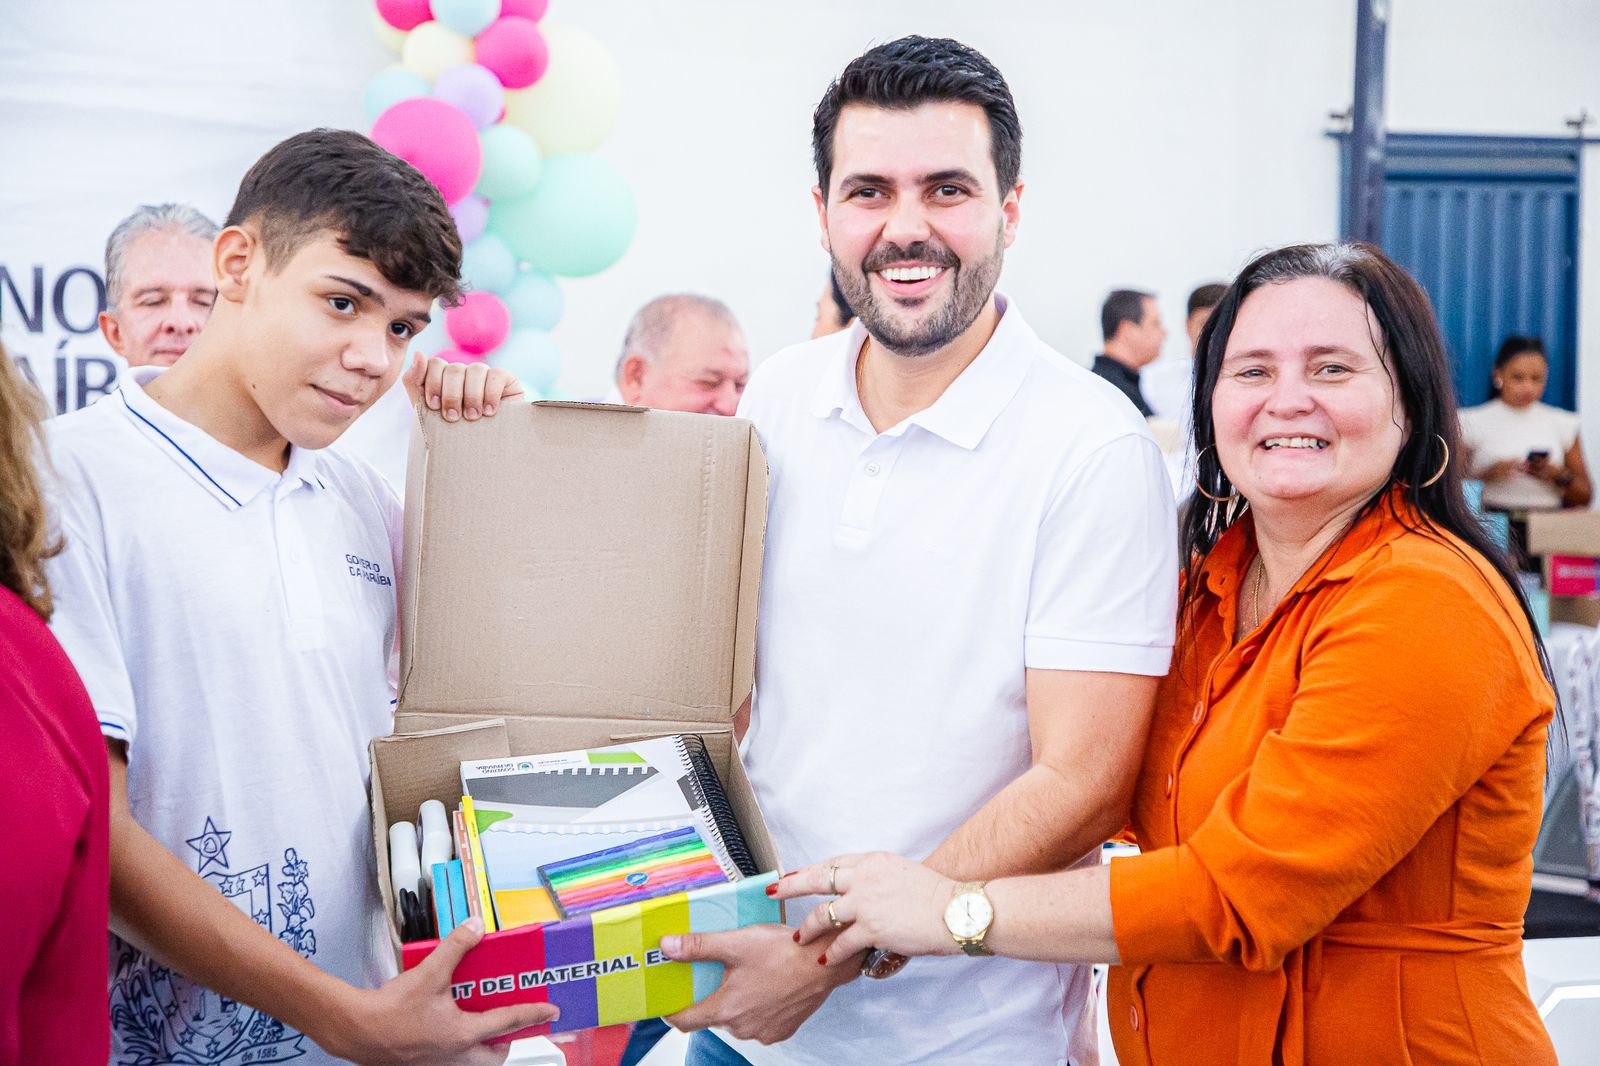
1538,455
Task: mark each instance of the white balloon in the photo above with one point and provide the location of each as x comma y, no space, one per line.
392,39
433,48
574,106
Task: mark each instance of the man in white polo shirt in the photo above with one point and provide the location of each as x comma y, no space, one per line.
227,592
968,594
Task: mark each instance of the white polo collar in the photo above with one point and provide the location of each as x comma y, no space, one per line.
232,478
966,410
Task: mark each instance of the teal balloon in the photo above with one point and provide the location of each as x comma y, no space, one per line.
467,17
391,85
577,221
511,163
488,264
532,357
535,301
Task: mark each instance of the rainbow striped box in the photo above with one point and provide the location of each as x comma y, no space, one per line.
606,967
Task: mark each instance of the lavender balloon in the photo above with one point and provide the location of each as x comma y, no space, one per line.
474,90
472,215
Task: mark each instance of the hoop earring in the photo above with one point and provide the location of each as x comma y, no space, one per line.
1201,488
1442,466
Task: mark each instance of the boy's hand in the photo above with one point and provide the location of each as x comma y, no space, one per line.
413,1020
460,390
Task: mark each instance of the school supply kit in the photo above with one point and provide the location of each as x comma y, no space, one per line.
540,838
566,704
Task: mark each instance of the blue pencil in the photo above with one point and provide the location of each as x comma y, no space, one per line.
443,911
458,891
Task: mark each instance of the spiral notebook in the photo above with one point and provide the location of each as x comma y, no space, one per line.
534,810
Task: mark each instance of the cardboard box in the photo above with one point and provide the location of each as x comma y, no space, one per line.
578,575
1572,532
1569,541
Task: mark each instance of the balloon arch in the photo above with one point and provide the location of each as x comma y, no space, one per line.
502,113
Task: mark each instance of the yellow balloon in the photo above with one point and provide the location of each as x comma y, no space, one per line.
388,36
431,49
574,106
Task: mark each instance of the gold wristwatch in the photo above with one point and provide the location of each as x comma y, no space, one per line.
968,917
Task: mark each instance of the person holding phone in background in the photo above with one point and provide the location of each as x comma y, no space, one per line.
1527,453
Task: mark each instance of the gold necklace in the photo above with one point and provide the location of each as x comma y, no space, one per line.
1255,593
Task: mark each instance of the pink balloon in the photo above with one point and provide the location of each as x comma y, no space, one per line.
405,14
479,323
472,217
528,9
435,138
515,50
456,355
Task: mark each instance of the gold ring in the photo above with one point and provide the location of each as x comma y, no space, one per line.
833,884
832,920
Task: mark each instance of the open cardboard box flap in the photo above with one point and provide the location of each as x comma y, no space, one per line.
582,560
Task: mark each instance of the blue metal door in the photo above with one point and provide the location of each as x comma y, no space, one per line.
1489,226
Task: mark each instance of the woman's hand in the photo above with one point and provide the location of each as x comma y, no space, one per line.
1543,469
1502,470
883,901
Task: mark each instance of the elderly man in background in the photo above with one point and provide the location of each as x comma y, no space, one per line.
684,353
159,288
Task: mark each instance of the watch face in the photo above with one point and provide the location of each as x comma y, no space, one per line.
968,915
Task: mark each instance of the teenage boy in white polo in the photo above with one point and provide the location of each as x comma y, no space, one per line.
227,592
969,586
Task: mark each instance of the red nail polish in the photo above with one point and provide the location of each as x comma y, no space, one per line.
797,936
772,890
822,960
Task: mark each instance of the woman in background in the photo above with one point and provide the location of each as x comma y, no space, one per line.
54,813
1527,453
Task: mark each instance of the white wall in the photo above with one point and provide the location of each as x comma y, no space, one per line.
1492,66
1164,141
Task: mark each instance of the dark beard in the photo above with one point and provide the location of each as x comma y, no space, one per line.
970,291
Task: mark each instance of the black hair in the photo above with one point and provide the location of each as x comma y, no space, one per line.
842,305
1514,345
1410,345
1123,305
379,207
913,71
1206,296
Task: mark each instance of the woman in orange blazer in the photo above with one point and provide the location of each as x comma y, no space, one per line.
1342,786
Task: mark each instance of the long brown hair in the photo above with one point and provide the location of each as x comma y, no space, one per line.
25,538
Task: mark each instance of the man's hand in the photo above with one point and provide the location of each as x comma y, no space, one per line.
770,984
413,1021
460,390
